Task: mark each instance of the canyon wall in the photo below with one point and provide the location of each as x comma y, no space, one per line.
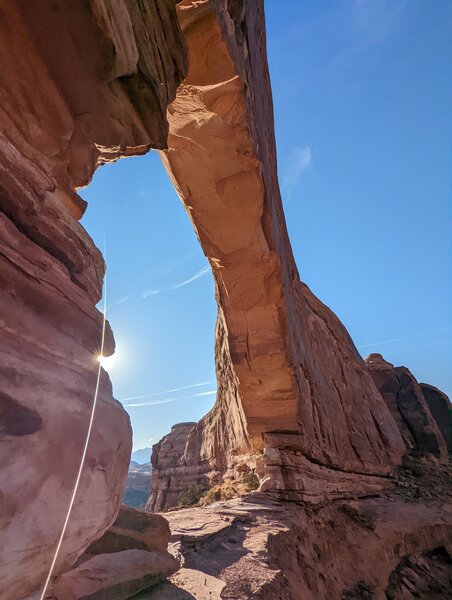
81,83
290,379
84,83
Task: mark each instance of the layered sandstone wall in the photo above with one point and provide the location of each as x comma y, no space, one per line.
81,83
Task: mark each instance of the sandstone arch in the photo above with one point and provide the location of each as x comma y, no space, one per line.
289,375
87,82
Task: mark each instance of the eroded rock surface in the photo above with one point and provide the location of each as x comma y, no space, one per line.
426,577
407,403
260,549
117,576
441,409
133,529
168,478
81,83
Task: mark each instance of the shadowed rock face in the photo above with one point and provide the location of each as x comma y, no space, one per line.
81,83
406,401
285,363
441,410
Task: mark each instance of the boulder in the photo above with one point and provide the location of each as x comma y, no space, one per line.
117,576
133,529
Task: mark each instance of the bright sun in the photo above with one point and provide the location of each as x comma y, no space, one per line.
107,362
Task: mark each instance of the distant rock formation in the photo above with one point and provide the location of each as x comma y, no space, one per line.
406,401
168,476
136,491
441,409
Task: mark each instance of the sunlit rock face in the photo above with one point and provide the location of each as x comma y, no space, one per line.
81,83
166,455
289,376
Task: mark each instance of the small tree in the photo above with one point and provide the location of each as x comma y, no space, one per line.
190,496
250,481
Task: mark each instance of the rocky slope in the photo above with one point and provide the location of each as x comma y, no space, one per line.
351,550
396,546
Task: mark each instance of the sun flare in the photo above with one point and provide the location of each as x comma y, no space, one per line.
107,362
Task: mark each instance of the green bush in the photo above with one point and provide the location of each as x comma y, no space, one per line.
250,480
190,496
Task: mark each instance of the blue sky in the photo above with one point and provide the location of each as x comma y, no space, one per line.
362,95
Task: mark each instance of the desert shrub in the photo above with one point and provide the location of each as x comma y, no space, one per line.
226,490
250,480
212,495
190,496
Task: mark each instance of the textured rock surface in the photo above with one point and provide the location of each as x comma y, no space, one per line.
441,410
425,577
284,361
168,479
279,551
406,401
116,576
186,584
81,83
133,529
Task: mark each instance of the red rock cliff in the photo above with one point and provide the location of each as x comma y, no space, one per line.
81,83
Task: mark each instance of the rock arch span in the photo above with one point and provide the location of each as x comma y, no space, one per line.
83,83
289,376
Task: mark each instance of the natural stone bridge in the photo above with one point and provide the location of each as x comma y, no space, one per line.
83,83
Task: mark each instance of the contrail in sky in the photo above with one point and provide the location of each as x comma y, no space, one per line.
406,337
153,395
167,401
176,286
196,276
117,302
152,403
